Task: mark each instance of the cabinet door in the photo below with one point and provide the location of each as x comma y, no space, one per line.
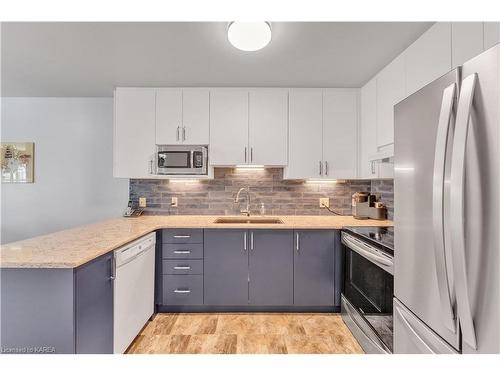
94,307
195,116
368,133
314,268
305,151
134,132
270,267
268,126
467,41
340,124
226,267
228,127
491,34
391,89
429,57
168,116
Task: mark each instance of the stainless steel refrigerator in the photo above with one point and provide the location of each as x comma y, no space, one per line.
447,208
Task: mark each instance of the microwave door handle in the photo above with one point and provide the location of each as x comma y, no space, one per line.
445,118
457,209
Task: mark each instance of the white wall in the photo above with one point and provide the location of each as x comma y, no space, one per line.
73,165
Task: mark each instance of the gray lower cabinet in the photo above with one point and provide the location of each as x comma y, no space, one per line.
226,267
248,267
270,267
94,306
314,254
57,310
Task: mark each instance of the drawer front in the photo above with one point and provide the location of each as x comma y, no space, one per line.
183,267
182,251
182,235
183,290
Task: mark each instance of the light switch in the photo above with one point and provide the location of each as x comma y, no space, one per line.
142,202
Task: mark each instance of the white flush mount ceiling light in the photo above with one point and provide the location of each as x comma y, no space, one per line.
249,36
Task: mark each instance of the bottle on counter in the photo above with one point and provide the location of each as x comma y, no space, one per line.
262,209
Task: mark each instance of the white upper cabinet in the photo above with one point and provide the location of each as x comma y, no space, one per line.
305,133
228,127
466,41
368,130
491,34
340,123
391,88
134,132
268,127
182,116
168,116
195,116
429,57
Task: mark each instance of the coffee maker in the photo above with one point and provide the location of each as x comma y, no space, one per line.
368,206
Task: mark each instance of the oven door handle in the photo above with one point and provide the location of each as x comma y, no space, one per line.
363,250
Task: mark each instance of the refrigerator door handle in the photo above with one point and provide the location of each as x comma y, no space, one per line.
445,290
457,192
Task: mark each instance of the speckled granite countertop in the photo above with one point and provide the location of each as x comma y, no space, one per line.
73,247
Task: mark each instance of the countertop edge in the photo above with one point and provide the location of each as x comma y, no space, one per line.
84,260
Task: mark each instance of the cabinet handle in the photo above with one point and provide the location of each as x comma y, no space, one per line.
251,240
244,241
245,154
182,291
251,154
177,133
320,168
182,236
182,251
113,268
373,166
151,167
298,242
326,168
182,268
183,133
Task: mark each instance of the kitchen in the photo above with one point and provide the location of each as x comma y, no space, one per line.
234,198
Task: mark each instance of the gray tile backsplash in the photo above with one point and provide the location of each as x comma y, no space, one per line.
280,197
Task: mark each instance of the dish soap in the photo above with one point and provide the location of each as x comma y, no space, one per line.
262,209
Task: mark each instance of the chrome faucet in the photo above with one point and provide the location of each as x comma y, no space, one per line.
237,200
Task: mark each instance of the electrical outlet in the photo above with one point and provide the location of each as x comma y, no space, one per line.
174,202
142,202
324,202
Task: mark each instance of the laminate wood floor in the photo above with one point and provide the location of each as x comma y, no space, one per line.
245,333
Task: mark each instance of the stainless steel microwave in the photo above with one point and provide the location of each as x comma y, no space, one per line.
181,160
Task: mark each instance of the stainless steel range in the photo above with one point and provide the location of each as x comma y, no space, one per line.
369,286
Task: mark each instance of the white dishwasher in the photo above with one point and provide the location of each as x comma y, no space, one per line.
134,266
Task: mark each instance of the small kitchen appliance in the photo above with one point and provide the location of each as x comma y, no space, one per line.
181,160
368,206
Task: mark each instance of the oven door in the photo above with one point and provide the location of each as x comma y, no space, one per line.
368,291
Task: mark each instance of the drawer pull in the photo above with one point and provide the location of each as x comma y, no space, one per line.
182,251
182,291
182,268
182,236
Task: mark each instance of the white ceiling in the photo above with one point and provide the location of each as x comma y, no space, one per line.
89,59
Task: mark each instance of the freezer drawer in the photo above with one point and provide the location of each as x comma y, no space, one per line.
411,336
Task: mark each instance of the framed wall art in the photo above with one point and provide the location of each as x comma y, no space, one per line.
17,162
